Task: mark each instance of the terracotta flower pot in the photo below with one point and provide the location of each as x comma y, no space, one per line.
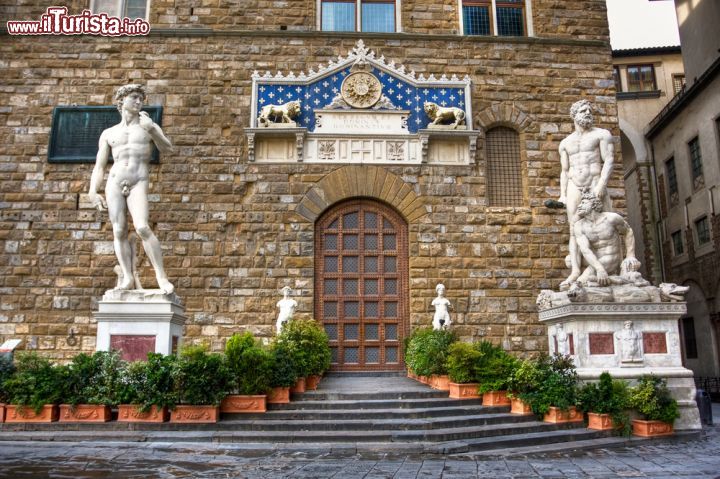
278,396
299,386
440,382
556,415
496,398
424,379
2,413
240,403
464,390
651,428
85,413
132,413
195,414
601,422
517,406
312,382
412,375
49,413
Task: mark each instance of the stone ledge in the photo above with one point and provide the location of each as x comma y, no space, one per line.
608,310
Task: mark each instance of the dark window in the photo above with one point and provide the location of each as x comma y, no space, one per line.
678,83
616,77
76,130
504,171
672,181
375,15
511,17
702,228
696,162
121,8
641,78
688,329
677,240
477,17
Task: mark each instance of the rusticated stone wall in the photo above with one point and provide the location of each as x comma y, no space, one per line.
233,233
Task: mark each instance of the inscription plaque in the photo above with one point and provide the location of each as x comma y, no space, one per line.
654,342
601,343
76,131
132,347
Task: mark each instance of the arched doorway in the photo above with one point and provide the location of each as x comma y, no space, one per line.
361,284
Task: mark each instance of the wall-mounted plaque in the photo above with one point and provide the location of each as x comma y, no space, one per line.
654,342
76,130
601,343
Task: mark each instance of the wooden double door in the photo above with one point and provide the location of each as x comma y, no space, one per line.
361,284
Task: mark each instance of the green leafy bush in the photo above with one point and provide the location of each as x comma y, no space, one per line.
308,344
428,350
461,362
7,369
652,399
148,383
494,367
544,382
282,373
608,396
250,365
93,379
200,378
36,382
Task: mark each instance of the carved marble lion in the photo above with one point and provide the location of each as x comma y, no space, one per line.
285,112
450,117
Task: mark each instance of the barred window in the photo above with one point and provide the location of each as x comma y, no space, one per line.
121,8
678,83
503,170
677,241
510,17
342,15
695,159
479,17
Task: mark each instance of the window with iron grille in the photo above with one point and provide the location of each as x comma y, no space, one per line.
690,340
121,8
504,169
479,17
347,15
641,78
696,162
678,83
677,241
672,181
702,230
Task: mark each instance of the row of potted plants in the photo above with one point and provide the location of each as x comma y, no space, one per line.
195,385
547,385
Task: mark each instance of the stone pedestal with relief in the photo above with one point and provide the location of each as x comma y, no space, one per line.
136,322
628,340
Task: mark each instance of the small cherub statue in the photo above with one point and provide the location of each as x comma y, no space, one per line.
441,319
287,307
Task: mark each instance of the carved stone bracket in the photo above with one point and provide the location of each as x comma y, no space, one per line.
300,144
251,146
424,143
294,135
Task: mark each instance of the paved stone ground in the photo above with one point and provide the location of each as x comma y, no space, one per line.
692,459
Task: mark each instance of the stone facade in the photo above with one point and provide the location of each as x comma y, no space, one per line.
234,233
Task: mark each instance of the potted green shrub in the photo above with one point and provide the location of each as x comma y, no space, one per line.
282,374
201,380
7,369
493,372
427,353
250,368
605,403
651,398
33,391
550,387
90,387
461,361
522,382
310,348
146,389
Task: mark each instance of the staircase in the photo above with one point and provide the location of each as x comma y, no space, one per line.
351,412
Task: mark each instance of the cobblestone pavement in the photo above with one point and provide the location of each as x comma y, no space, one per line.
692,459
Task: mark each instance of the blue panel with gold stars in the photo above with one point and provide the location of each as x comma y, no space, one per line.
401,90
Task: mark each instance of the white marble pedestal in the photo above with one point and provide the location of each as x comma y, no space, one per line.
598,340
139,321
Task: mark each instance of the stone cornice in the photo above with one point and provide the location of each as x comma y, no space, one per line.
611,311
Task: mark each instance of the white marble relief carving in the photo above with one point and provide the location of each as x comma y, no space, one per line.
629,342
563,340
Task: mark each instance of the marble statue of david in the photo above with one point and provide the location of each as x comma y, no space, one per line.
131,144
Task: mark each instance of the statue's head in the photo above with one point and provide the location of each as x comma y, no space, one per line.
628,324
581,112
286,290
126,90
430,109
440,289
589,202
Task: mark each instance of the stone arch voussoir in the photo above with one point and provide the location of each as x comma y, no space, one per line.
501,114
361,181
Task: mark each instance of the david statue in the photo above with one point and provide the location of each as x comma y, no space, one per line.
131,144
